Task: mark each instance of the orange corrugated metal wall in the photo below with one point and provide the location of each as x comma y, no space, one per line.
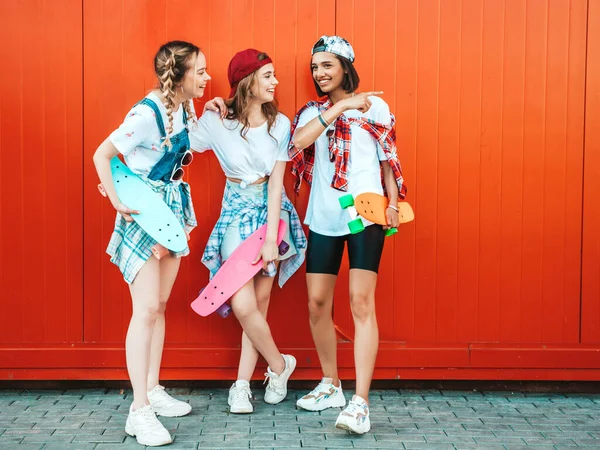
495,104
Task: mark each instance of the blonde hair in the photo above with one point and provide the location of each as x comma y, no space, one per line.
170,65
239,104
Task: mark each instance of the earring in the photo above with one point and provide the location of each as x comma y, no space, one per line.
182,89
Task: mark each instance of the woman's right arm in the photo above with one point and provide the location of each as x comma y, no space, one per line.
309,133
102,157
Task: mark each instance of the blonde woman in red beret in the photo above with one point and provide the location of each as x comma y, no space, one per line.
250,139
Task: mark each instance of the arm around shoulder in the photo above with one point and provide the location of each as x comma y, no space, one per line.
201,134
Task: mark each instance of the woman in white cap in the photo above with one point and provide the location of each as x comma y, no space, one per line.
345,144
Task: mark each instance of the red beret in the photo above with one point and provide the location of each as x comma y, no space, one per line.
243,64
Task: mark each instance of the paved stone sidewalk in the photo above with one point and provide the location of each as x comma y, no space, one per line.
94,419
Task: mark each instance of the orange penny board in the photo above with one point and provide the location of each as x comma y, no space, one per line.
372,207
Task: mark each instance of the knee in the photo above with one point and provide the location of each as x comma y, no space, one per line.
148,313
363,306
162,303
243,311
317,307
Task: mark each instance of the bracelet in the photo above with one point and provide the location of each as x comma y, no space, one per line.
322,120
393,207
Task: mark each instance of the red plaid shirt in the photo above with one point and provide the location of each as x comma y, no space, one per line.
303,161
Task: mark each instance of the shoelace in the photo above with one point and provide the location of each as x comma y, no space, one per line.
354,408
242,394
321,388
273,380
150,419
163,394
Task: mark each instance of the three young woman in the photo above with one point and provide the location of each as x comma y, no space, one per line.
340,145
344,144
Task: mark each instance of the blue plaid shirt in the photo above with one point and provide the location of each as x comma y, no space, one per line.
253,214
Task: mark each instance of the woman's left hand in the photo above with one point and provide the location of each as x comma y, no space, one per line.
217,105
268,253
393,220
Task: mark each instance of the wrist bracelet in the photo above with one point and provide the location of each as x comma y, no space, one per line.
322,120
393,207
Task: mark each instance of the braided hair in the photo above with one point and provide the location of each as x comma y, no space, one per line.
170,66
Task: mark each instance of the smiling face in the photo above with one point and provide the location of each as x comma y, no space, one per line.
327,71
194,81
263,86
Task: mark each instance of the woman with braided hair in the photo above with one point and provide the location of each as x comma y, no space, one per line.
154,141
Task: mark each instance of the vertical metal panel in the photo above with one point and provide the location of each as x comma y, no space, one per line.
590,308
489,98
277,27
40,173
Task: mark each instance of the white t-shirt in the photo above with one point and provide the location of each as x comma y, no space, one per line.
246,159
324,214
139,139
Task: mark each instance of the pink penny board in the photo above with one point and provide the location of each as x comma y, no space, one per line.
234,273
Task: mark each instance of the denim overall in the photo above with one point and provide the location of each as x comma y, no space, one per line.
172,158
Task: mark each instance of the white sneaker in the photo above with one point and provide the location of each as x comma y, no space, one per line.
277,388
147,429
165,405
239,398
324,396
355,417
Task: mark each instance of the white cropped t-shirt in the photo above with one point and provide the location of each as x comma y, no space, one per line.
248,159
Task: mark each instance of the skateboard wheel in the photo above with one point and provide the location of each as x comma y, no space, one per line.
346,201
391,231
224,310
283,248
356,226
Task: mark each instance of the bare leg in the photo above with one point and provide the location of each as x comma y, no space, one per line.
320,303
245,307
366,335
249,355
169,267
144,294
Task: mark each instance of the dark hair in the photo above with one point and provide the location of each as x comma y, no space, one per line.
351,79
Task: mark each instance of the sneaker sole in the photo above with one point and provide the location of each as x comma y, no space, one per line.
132,434
240,411
168,414
321,407
343,426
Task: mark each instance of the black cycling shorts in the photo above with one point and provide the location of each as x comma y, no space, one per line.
324,253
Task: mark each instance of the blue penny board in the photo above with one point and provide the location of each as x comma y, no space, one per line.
155,218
